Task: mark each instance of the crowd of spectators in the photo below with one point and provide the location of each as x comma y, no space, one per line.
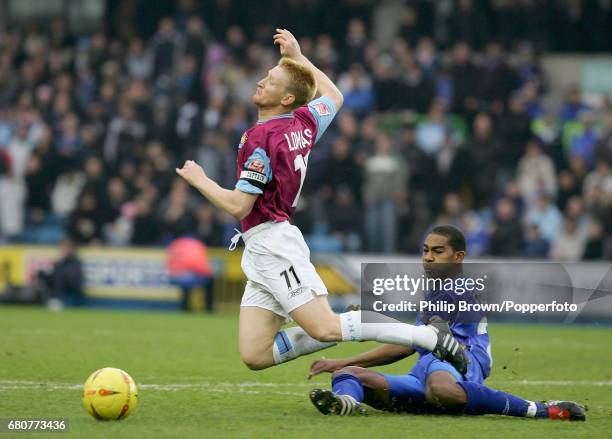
445,121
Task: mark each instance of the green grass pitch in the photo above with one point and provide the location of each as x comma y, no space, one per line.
192,383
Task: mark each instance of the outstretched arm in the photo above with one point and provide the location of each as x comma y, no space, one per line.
385,354
237,203
290,48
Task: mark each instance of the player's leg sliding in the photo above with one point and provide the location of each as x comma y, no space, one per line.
329,403
348,394
483,400
345,398
436,337
294,342
354,386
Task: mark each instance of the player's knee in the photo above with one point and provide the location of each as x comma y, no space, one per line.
349,370
253,361
373,380
254,364
438,393
367,378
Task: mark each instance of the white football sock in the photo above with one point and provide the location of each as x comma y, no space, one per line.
385,330
532,409
291,343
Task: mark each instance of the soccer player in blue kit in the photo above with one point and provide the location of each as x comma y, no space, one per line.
432,385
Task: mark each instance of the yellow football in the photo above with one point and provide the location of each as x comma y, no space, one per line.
110,393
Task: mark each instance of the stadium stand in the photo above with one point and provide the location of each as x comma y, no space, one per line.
446,119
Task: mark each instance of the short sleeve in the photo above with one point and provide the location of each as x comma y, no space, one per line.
324,110
256,172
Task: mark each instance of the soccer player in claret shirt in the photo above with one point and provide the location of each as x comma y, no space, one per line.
432,385
282,282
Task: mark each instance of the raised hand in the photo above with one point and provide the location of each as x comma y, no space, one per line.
191,172
289,45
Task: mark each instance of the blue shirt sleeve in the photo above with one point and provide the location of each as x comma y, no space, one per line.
324,110
256,173
246,187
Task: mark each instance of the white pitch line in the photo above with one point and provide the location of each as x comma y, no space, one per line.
264,387
216,384
243,388
556,382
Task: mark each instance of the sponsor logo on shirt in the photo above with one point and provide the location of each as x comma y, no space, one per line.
257,166
322,109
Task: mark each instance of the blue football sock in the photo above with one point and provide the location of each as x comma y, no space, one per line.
483,400
346,384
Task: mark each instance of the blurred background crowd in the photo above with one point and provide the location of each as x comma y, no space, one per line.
445,121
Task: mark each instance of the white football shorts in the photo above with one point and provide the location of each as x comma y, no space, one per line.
276,262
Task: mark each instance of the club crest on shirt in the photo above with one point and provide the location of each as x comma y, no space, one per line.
243,140
321,108
257,166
